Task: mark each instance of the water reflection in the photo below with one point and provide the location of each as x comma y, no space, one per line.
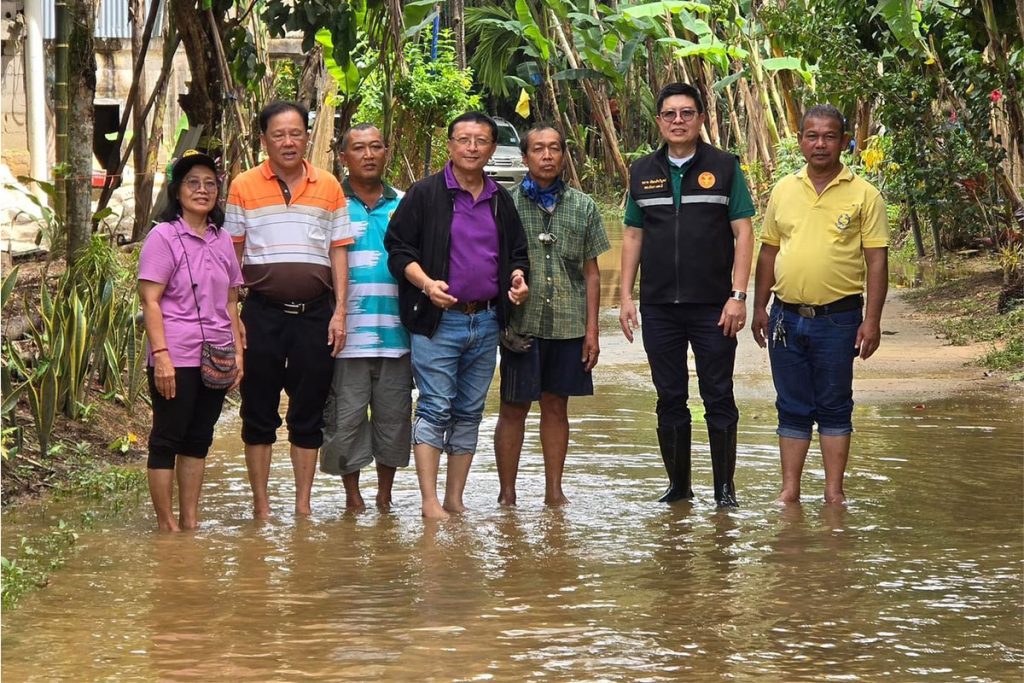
918,578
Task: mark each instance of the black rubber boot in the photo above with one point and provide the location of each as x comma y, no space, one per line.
723,465
675,452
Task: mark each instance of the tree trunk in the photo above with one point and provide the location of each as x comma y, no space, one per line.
787,85
780,109
81,115
311,78
143,179
734,122
156,138
703,81
203,103
459,30
864,108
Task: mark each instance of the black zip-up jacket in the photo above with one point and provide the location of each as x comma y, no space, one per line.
687,253
420,231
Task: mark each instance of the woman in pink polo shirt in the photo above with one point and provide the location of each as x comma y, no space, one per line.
188,283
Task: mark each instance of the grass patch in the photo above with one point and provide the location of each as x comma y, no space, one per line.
28,564
32,562
964,308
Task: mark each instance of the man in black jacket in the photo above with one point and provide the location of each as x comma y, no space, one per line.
457,248
688,229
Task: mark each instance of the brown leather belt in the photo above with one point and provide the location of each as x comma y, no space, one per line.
847,303
471,307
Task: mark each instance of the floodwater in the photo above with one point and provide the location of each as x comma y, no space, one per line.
920,577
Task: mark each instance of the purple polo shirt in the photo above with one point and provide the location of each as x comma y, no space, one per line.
473,256
215,269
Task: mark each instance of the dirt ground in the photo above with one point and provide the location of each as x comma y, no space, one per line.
913,361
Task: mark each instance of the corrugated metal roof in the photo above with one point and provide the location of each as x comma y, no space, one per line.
112,20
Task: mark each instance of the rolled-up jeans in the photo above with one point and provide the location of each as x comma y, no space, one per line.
813,371
453,371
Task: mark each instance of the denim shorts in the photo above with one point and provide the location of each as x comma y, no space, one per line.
453,371
552,366
812,368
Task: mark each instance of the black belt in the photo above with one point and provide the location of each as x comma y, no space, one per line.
847,303
292,307
471,307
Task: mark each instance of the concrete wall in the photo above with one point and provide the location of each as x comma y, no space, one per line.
113,80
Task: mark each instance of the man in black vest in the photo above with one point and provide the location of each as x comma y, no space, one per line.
687,227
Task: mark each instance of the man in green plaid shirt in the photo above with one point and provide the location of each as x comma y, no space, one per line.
551,343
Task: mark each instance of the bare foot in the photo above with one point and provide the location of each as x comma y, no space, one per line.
556,501
354,502
433,510
261,513
454,506
507,498
303,509
383,503
188,524
835,499
788,497
170,526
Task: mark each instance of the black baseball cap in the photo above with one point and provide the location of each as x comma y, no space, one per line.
189,159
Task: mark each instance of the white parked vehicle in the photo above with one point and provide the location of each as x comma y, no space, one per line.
506,165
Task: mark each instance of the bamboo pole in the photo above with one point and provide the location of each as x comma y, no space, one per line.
60,98
599,104
711,118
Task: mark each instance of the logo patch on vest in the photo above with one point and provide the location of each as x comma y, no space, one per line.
706,180
653,184
843,222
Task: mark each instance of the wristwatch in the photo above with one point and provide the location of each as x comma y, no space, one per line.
738,295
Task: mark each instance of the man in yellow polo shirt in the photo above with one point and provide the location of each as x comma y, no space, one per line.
825,237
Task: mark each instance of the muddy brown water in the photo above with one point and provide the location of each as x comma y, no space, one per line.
920,577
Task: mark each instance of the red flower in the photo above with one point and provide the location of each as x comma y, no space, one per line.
996,96
952,117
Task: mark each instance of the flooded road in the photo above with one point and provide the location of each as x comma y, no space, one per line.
919,578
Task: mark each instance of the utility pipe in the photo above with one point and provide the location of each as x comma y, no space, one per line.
35,91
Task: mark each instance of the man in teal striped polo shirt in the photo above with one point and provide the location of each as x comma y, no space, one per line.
368,412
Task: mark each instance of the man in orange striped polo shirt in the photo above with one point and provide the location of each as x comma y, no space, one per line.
291,231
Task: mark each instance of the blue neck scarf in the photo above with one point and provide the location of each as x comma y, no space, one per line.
546,198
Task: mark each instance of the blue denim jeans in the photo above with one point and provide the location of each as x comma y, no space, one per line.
453,371
812,367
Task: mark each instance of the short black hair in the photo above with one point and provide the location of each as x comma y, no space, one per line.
172,211
279,107
673,89
358,126
524,142
824,111
474,117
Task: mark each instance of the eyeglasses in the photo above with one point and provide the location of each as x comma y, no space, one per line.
673,114
466,141
195,184
547,238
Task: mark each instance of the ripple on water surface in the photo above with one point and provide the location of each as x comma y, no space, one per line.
919,578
